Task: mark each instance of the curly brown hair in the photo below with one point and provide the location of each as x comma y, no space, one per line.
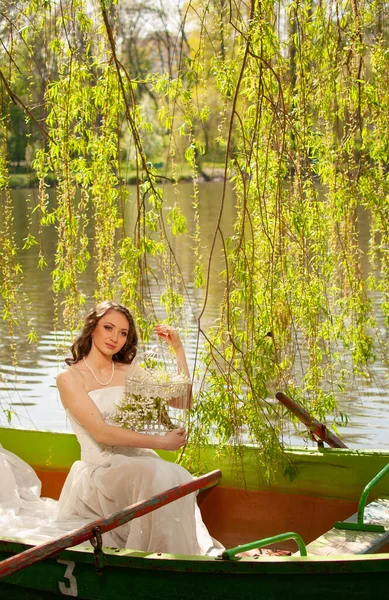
83,343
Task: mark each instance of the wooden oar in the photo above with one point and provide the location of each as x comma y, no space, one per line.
314,426
86,532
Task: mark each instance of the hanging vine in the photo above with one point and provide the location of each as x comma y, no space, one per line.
292,99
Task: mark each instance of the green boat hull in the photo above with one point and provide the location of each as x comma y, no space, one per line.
308,484
152,577
326,472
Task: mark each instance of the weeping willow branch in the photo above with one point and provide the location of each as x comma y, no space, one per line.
296,118
16,100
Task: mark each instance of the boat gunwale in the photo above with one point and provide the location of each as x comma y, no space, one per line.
293,450
135,559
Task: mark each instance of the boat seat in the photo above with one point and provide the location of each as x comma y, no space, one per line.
346,541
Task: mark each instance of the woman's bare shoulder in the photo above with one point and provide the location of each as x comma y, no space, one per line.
68,375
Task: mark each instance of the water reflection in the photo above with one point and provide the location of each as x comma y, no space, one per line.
28,389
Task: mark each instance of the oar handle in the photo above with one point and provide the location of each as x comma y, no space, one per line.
317,428
82,534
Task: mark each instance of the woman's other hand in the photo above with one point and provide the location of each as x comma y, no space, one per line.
169,335
174,440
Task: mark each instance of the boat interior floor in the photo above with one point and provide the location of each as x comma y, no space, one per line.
355,541
266,552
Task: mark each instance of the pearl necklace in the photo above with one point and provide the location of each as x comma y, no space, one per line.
94,374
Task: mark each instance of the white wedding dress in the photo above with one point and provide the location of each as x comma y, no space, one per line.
23,513
105,480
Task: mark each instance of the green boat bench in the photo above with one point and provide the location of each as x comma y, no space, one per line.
353,541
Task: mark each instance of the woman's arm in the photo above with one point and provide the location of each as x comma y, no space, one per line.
171,337
82,407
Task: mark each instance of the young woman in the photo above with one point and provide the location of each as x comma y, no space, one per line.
118,466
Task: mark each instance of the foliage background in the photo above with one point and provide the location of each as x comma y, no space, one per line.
290,100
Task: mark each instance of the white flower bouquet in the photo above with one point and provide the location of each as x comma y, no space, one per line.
149,388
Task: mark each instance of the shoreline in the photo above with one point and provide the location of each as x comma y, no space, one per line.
208,175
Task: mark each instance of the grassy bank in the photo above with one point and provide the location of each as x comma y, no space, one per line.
209,172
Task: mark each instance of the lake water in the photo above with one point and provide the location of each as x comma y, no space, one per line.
29,388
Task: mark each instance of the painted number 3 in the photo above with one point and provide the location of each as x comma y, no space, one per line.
70,587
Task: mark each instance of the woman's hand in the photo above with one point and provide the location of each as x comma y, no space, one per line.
169,335
174,440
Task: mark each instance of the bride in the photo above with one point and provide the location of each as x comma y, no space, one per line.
118,466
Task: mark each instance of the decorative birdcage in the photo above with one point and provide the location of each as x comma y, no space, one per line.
151,384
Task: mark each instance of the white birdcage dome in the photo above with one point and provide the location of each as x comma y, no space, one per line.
151,384
155,374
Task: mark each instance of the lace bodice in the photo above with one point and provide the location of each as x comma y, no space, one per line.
106,400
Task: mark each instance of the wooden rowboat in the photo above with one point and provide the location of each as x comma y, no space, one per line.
311,491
